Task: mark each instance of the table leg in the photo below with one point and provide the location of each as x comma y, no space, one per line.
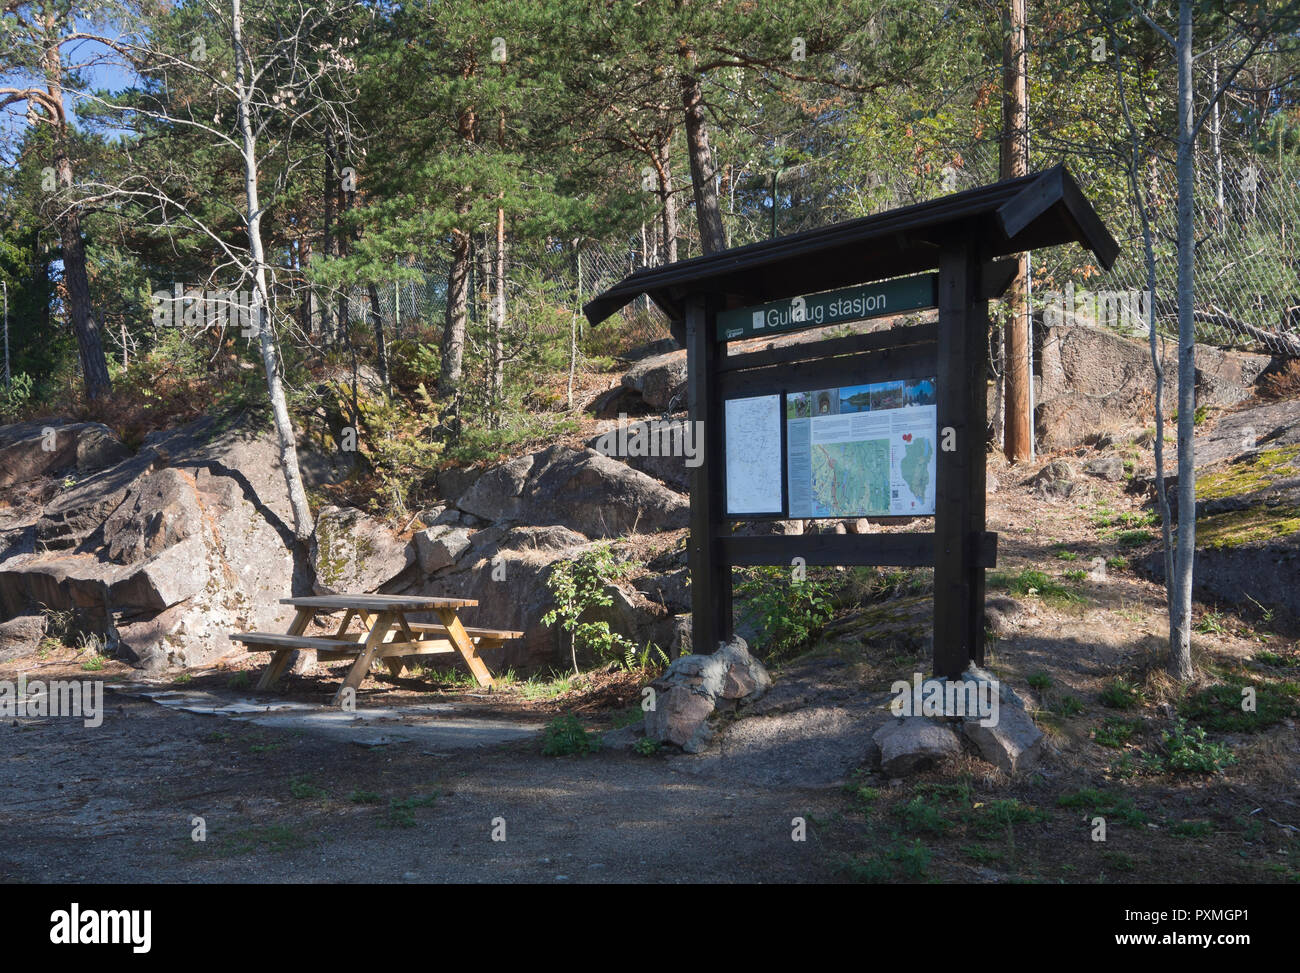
280,660
460,638
362,666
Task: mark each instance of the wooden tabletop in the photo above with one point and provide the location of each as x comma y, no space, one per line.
378,602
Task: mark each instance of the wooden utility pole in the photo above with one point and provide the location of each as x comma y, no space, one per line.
1018,434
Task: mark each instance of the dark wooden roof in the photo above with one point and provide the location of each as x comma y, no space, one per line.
1038,210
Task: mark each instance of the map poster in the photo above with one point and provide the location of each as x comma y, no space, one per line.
862,450
753,461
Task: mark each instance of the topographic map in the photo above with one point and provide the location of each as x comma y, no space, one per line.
852,477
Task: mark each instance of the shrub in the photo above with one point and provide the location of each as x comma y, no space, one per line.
582,583
789,613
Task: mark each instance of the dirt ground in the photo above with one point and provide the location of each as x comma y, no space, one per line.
118,803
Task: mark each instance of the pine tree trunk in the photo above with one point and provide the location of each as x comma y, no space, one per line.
707,213
667,201
90,344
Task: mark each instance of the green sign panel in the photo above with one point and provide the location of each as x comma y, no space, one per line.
832,307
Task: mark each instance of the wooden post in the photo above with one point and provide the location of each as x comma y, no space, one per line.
959,495
711,618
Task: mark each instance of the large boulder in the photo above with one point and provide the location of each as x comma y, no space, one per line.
1095,379
579,489
356,553
20,636
44,447
660,380
656,448
167,552
159,510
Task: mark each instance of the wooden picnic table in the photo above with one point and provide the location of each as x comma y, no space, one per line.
385,633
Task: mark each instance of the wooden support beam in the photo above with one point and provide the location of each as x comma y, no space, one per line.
915,334
912,361
711,618
818,550
959,499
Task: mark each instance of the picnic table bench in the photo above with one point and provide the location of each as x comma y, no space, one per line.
385,633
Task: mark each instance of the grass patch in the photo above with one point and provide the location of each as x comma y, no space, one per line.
364,797
1115,733
1191,829
1220,707
1031,581
897,861
919,816
1110,806
1134,538
302,789
1121,694
401,814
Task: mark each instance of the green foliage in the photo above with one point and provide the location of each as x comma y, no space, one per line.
646,747
14,399
1220,707
564,735
1187,750
896,861
788,613
578,585
1113,807
1040,681
1115,733
1031,581
1121,694
302,789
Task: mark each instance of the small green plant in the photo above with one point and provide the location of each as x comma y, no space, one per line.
1191,829
1188,751
897,861
238,681
788,612
649,656
564,735
1063,553
579,584
302,789
184,678
364,797
1117,562
1211,623
1031,581
1121,694
1115,732
94,664
1110,806
918,816
1067,705
1040,681
1133,538
646,747
401,814
1074,575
